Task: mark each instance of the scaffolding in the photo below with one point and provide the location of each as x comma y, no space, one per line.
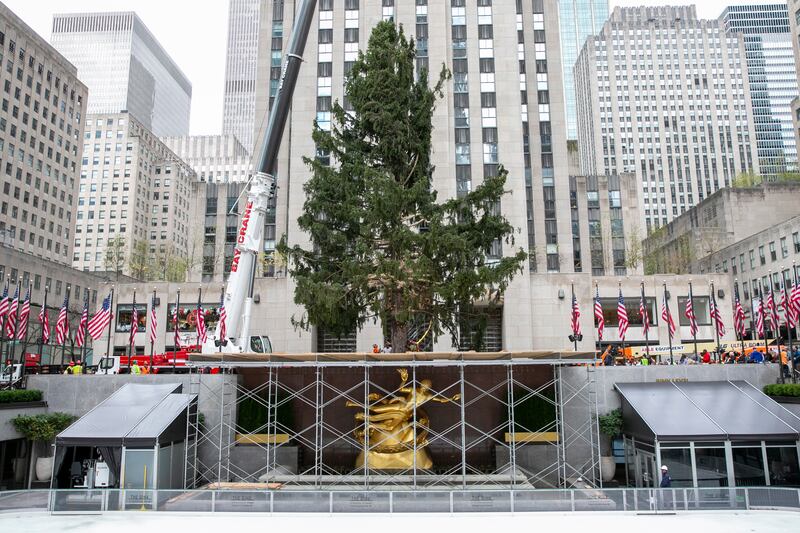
515,424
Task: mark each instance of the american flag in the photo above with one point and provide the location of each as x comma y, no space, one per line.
690,315
4,303
667,316
760,319
80,335
202,333
62,324
223,318
153,321
786,304
101,319
11,319
175,328
738,317
24,315
645,315
772,312
794,301
44,320
134,326
622,317
598,314
716,316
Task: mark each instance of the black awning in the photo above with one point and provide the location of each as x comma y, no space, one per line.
704,411
135,415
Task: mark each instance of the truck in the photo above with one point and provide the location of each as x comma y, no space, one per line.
238,298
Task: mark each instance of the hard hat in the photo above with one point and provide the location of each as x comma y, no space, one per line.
664,467
72,363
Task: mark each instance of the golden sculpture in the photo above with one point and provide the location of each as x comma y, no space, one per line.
391,429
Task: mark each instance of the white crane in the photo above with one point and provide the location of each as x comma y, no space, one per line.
249,241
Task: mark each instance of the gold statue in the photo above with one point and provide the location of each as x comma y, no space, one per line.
389,432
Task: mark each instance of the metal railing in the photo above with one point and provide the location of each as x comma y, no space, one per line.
417,501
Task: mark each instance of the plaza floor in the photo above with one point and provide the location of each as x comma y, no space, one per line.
705,522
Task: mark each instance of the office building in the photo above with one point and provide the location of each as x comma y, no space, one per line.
241,61
41,127
794,34
125,69
578,19
773,81
134,196
214,158
663,94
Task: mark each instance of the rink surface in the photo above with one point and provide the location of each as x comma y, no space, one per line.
146,522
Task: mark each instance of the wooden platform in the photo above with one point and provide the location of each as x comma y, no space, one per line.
391,359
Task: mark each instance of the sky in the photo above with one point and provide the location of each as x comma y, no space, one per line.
194,33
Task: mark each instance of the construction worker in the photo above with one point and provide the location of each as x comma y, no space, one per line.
77,369
135,368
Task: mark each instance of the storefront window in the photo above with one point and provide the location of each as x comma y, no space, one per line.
187,317
748,466
711,467
124,314
783,467
679,462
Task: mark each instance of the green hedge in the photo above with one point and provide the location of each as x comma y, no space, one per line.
787,389
20,396
44,427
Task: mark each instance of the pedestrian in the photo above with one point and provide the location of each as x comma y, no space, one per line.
666,481
684,360
608,358
706,357
756,356
375,348
135,368
784,363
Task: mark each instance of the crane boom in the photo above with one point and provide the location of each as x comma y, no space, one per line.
249,241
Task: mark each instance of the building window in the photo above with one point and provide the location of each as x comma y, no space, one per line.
125,313
700,304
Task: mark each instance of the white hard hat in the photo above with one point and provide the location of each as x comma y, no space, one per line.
664,467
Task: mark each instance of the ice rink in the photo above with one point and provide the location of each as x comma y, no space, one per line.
141,522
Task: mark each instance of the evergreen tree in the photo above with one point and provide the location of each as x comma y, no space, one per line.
383,247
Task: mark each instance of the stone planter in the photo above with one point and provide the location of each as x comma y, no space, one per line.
607,468
44,468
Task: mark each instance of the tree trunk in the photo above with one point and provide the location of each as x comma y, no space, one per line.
399,331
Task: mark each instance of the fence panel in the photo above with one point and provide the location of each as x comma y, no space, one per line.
361,502
773,497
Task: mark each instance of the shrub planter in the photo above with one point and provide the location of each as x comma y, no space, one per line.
786,399
22,405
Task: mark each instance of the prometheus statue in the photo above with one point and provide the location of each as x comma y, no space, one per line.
395,432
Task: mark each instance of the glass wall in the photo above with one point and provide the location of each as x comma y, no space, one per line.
782,464
748,464
710,464
139,472
679,462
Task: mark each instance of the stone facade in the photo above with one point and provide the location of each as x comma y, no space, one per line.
41,125
214,158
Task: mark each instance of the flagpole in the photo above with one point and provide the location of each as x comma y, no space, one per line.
3,323
572,307
624,359
773,311
85,334
27,328
64,340
152,326
110,324
694,318
739,333
646,325
176,335
132,338
764,318
669,329
221,340
787,310
714,321
41,337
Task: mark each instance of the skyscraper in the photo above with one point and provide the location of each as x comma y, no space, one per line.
578,19
772,78
125,68
663,94
241,61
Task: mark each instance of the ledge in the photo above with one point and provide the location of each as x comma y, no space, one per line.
262,438
22,405
537,436
786,399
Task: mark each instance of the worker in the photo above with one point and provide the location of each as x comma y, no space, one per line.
77,368
145,369
68,370
135,368
376,348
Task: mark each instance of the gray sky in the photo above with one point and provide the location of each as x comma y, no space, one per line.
194,33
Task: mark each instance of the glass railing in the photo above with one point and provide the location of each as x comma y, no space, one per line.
401,501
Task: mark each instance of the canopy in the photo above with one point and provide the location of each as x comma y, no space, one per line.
135,415
704,411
